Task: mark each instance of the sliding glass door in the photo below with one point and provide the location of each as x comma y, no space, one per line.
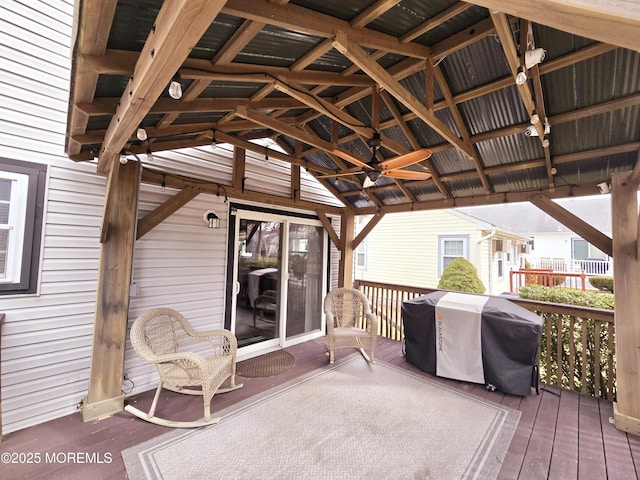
279,266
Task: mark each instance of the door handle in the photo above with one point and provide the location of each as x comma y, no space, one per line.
236,288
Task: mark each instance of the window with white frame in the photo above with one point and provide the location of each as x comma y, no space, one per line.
361,255
22,187
451,247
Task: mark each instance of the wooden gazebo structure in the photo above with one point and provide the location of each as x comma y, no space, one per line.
321,78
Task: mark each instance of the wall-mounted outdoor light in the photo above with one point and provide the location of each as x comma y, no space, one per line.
212,219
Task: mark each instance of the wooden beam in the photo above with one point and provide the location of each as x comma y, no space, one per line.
511,54
94,25
345,268
177,29
106,106
374,11
561,191
367,230
615,21
300,19
635,174
626,288
239,167
462,127
326,108
435,21
463,39
164,211
181,181
266,74
574,223
330,230
112,297
357,55
295,182
391,106
274,124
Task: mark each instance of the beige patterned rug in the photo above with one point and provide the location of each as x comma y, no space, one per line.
349,420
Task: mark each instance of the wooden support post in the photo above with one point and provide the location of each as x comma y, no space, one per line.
112,303
626,287
347,231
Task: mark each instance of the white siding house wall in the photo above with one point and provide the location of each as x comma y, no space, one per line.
403,248
47,337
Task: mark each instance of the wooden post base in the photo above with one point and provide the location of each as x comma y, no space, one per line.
102,409
624,422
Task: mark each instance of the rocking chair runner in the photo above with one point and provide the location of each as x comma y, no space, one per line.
350,322
159,337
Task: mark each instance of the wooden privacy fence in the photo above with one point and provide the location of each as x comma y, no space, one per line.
577,350
545,278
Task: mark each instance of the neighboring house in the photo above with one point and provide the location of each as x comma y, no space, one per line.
552,244
430,240
51,212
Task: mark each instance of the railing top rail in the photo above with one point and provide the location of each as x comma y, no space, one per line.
599,314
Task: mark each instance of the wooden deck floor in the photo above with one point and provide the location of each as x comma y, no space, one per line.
561,435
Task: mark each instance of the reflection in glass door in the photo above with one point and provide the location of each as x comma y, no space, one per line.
304,279
278,275
258,258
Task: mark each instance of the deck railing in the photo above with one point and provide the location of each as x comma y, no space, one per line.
546,278
577,350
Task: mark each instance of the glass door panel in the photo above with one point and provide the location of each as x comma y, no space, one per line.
259,256
304,279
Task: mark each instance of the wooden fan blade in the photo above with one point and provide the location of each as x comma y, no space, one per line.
345,174
350,158
406,159
406,174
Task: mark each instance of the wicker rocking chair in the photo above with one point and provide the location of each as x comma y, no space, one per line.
350,322
159,337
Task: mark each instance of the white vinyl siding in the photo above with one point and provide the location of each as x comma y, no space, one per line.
47,337
403,247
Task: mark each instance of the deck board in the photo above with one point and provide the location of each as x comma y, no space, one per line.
590,442
560,434
565,442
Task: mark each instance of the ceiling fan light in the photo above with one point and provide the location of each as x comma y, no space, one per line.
374,175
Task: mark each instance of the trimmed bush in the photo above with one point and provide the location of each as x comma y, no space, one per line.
567,296
461,276
602,283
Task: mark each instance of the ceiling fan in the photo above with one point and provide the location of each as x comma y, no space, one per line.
391,167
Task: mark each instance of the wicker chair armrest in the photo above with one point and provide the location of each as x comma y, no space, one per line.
197,360
214,337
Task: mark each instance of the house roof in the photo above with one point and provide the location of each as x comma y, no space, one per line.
321,77
527,219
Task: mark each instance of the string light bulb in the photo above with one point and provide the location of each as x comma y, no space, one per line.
141,134
175,90
535,118
521,76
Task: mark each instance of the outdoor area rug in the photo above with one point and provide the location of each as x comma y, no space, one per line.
266,365
349,420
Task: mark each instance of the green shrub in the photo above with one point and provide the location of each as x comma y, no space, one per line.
602,283
567,296
461,276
